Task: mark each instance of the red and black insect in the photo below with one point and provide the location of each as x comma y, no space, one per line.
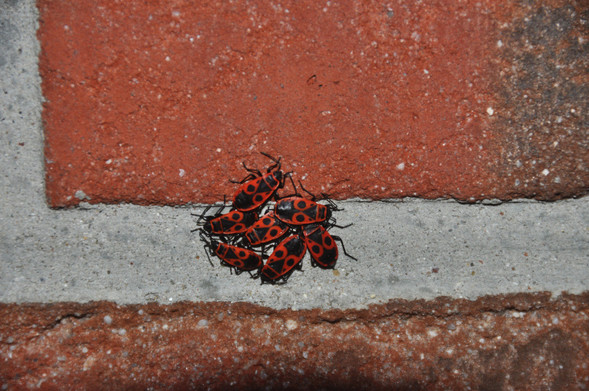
296,210
231,223
322,245
237,258
299,211
267,229
285,259
257,188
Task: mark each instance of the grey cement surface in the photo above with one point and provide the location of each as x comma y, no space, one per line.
132,254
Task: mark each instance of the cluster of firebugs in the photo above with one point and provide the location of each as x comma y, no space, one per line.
242,237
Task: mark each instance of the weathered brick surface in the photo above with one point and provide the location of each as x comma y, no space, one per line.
543,95
517,342
160,104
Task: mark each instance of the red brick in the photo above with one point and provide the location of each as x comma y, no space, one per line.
160,104
522,342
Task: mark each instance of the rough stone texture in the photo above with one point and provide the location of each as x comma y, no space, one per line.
522,342
161,104
544,95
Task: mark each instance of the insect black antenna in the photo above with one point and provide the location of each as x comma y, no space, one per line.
200,217
254,171
295,194
289,175
313,197
276,164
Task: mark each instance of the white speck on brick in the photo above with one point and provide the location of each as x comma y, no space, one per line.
218,150
545,172
107,319
555,320
203,323
490,110
499,43
291,324
182,173
401,166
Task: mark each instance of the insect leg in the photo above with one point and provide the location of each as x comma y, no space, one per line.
343,247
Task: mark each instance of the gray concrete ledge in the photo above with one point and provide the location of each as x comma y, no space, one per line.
131,254
412,249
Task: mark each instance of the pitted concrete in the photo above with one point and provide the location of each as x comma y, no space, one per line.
411,250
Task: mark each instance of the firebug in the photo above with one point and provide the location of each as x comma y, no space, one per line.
257,188
230,223
322,245
285,258
267,229
236,257
300,211
297,210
